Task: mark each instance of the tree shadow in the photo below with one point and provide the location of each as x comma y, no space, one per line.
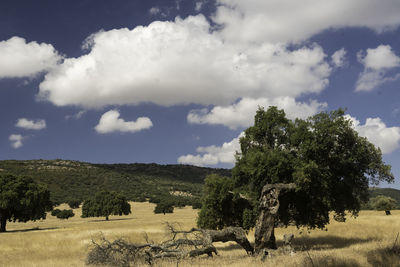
325,242
229,247
329,261
110,220
388,256
31,229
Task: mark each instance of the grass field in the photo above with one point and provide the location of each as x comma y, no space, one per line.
364,241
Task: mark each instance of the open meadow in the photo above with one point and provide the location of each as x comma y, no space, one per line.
365,241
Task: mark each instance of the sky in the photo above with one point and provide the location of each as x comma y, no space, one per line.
177,81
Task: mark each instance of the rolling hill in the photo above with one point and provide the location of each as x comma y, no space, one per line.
78,180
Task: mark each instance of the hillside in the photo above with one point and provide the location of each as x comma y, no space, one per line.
390,192
73,179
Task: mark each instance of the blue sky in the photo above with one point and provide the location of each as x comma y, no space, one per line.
177,81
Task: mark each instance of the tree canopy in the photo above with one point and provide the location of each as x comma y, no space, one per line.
330,164
104,204
383,203
21,199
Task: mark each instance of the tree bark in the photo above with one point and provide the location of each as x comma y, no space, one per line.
3,222
106,218
268,212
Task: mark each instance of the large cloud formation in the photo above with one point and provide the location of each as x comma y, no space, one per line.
189,61
21,59
294,21
180,62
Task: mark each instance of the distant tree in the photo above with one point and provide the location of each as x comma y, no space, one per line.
74,203
55,212
164,206
104,204
385,203
65,214
21,199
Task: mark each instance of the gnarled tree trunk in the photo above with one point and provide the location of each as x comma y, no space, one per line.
269,206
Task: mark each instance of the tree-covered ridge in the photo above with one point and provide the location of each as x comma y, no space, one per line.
78,180
389,192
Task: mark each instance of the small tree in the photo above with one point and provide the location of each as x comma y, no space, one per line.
74,203
22,199
55,212
383,203
64,214
164,207
104,204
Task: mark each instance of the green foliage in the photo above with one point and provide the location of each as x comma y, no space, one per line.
104,204
324,156
74,203
64,214
220,205
389,192
196,204
22,199
78,180
164,207
55,212
383,203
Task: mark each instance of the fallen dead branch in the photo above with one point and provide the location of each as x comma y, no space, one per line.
181,244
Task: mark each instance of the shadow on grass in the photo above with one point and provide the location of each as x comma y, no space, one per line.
229,247
385,257
329,261
110,220
325,242
31,229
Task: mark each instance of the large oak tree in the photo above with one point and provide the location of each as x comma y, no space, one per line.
312,167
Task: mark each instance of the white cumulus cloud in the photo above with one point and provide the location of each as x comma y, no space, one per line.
377,62
293,20
16,140
376,131
241,114
181,62
31,124
110,122
212,155
21,59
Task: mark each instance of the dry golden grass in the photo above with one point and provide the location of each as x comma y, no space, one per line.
53,242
